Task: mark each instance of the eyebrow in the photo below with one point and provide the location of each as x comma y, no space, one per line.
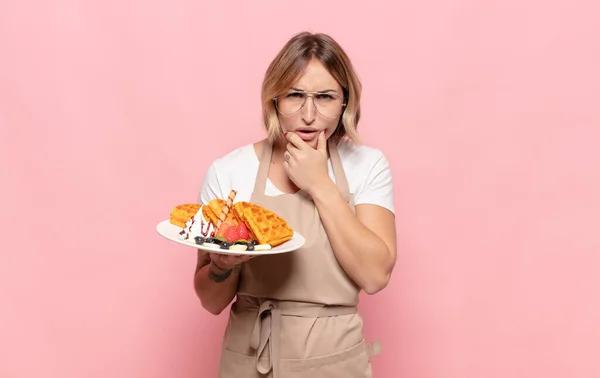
324,91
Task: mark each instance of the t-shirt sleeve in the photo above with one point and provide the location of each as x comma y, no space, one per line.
378,188
211,187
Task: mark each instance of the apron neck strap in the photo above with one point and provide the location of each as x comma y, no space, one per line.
265,163
338,170
263,169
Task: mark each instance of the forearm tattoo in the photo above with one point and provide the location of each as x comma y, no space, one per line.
218,274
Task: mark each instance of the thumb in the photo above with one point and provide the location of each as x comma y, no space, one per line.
322,142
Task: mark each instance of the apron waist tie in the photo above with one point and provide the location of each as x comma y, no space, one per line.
267,328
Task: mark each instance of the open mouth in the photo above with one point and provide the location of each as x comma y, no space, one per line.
307,134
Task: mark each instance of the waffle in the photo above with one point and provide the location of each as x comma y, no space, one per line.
183,213
213,211
266,226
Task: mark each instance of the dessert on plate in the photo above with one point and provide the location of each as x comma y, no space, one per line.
221,224
182,213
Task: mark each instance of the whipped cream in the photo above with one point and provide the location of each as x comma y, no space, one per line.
196,226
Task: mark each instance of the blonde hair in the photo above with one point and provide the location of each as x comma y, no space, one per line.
288,65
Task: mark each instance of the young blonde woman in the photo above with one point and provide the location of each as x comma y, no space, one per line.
295,314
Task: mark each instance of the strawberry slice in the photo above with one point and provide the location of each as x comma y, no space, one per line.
242,232
231,234
225,226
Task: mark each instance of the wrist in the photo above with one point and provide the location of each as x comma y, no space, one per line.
323,192
220,274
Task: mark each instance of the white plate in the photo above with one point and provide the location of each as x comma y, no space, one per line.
171,232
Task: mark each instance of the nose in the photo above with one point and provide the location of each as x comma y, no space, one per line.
309,111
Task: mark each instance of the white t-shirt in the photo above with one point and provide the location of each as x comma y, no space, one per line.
367,171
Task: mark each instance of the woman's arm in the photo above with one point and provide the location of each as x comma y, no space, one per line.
216,280
363,242
215,288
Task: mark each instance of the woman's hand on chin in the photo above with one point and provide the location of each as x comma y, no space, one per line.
304,165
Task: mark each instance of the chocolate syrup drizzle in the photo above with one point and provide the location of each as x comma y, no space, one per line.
203,228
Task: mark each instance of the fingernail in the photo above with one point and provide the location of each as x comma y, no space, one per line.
325,132
285,134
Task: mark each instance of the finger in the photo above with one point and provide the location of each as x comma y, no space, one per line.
287,158
293,150
322,142
221,260
294,139
229,261
244,258
226,259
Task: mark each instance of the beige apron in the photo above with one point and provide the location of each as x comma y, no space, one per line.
295,315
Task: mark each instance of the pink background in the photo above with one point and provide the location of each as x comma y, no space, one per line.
110,111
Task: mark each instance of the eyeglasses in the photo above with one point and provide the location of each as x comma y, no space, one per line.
329,105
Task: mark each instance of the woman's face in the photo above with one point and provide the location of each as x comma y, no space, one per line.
322,107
